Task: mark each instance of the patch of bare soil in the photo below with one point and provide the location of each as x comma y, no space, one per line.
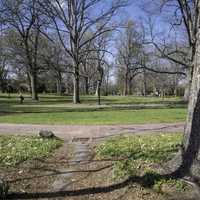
37,175
98,184
89,179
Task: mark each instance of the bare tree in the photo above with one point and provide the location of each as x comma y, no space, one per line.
129,51
88,71
174,51
54,61
187,13
4,70
100,47
73,19
190,12
23,17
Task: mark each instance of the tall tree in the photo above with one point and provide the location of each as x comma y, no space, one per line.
101,49
188,13
4,57
175,45
24,17
129,55
55,62
73,19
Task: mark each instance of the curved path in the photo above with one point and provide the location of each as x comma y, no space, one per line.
69,132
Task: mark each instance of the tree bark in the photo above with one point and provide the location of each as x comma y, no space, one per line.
126,85
29,83
58,87
130,86
3,85
187,87
76,97
86,85
190,154
33,80
96,92
175,92
99,92
162,93
99,82
144,84
106,85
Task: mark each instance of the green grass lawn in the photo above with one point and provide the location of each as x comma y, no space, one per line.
16,149
53,109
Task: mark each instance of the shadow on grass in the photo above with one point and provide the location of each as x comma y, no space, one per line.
148,180
11,110
108,100
149,102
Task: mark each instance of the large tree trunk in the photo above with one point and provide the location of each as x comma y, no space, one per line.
130,86
59,83
125,85
189,160
59,87
106,85
3,86
99,82
76,97
97,88
86,79
175,91
99,92
29,83
144,84
33,80
186,93
187,87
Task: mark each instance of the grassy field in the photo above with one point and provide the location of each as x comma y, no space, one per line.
53,109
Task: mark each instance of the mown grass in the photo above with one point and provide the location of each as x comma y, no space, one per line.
16,149
142,156
53,109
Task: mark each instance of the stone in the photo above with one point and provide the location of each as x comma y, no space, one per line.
3,189
46,134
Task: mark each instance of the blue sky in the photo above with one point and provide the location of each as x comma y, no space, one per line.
137,11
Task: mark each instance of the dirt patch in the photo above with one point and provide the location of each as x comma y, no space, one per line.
89,179
37,175
100,185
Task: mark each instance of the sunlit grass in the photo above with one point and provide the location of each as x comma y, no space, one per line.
143,156
140,153
99,117
16,149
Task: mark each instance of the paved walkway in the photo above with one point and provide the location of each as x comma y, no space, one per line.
68,132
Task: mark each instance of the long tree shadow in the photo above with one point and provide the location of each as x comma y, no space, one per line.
9,110
147,180
189,155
